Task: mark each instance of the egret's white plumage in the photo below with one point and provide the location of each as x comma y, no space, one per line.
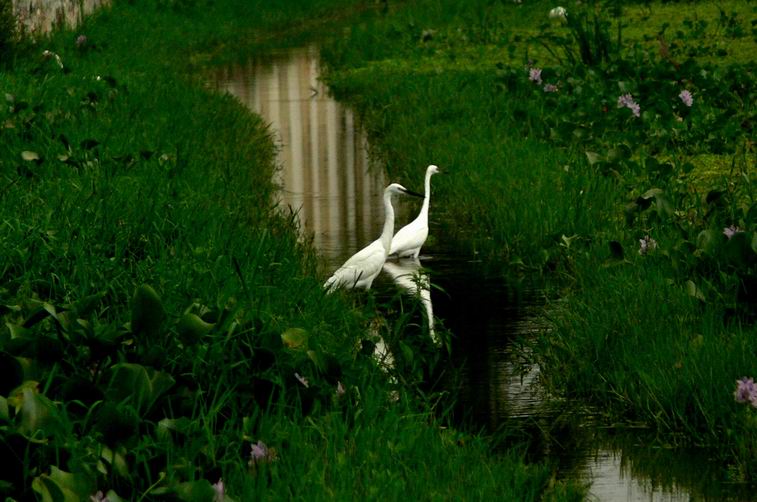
361,269
410,238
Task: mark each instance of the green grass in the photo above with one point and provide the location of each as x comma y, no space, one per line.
120,170
658,338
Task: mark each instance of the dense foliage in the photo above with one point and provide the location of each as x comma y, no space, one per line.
164,332
608,149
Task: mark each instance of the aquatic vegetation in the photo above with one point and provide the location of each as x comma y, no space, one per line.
650,134
162,324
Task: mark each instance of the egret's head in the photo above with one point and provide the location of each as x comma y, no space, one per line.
432,169
396,188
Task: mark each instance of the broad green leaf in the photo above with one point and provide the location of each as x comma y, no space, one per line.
295,338
317,359
36,411
694,291
61,486
147,312
29,156
592,157
652,192
707,240
195,491
191,328
116,459
164,428
140,384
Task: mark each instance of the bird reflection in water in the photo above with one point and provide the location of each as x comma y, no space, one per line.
414,280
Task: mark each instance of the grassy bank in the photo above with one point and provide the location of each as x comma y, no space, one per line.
619,175
162,327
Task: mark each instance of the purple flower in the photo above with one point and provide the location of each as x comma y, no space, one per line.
731,231
260,454
550,88
302,380
626,100
746,391
646,245
81,40
686,97
259,451
99,497
534,75
220,494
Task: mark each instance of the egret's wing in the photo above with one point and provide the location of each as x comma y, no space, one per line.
364,264
411,236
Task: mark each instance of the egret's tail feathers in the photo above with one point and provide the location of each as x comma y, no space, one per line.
341,279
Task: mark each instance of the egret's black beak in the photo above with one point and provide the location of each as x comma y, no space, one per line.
415,194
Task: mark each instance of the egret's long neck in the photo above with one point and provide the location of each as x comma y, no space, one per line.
386,234
427,198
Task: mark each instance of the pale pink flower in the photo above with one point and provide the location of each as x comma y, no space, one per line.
220,491
646,245
99,497
746,391
627,101
731,231
686,97
534,75
260,454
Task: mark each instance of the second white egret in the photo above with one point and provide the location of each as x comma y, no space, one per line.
410,238
361,269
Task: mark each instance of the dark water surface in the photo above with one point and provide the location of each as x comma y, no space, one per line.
327,177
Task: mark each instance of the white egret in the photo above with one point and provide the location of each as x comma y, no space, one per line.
362,267
410,238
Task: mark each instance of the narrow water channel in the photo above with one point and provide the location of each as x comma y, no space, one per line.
327,177
41,16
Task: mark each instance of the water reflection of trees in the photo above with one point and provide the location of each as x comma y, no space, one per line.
41,16
325,172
